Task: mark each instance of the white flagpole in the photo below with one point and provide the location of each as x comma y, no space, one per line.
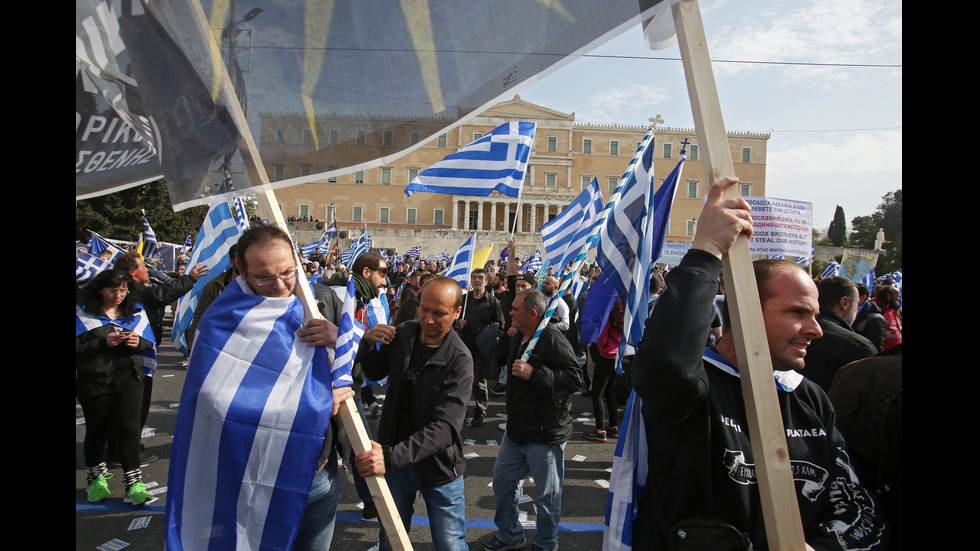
350,419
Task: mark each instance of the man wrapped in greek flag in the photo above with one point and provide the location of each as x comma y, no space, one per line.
254,411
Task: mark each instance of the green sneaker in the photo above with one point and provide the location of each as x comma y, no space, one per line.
98,489
137,495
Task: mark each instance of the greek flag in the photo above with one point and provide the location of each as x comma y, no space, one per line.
626,241
460,267
443,256
565,236
496,161
869,279
188,243
308,249
531,264
802,261
832,269
415,251
97,244
216,236
331,232
628,479
253,416
240,216
149,241
86,268
349,333
357,248
776,257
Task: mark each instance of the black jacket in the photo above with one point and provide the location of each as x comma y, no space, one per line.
540,409
442,389
839,345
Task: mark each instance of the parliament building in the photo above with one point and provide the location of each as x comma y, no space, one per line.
565,158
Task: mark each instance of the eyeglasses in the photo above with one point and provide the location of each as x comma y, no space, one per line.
269,280
383,270
115,292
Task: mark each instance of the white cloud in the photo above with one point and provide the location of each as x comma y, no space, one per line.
624,102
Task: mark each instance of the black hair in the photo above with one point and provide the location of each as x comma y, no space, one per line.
91,299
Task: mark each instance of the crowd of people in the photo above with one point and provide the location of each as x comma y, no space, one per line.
832,342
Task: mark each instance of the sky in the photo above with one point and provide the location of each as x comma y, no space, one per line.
836,132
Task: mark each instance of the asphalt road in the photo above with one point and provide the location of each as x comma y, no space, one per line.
113,524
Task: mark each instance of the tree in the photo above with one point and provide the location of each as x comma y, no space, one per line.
887,217
118,215
838,228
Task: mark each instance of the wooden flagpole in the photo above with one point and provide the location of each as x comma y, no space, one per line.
350,419
772,462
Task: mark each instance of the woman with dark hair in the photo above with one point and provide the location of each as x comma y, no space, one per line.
604,351
113,340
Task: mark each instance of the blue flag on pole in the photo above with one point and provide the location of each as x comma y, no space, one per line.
349,333
252,420
565,235
415,251
149,240
496,161
357,248
216,236
460,267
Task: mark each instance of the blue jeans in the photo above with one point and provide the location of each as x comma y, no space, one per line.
445,505
316,529
546,463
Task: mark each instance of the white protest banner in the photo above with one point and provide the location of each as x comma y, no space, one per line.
673,252
781,226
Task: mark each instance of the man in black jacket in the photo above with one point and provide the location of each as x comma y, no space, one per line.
839,345
539,422
419,447
482,325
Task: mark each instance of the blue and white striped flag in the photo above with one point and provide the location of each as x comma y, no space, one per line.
802,261
869,279
252,420
308,249
240,216
188,243
330,232
832,269
460,267
357,248
444,256
496,161
628,479
97,244
532,264
415,251
565,235
349,333
216,236
776,257
149,240
86,268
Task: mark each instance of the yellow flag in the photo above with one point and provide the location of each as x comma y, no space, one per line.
480,257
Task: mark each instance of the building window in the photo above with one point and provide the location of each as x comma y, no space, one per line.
307,137
359,177
550,180
438,217
692,190
694,152
614,147
411,216
442,141
304,211
278,172
305,169
691,226
586,180
334,136
745,190
477,136
412,173
612,181
332,179
386,176
383,215
746,154
415,136
361,137
668,150
527,176
356,214
389,138
587,146
280,135
552,143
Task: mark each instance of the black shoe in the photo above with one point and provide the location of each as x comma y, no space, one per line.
498,390
477,419
369,512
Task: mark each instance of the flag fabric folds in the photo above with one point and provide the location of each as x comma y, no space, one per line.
481,256
565,236
253,416
86,268
357,248
415,251
216,236
627,481
494,162
832,269
531,264
461,264
240,217
349,333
